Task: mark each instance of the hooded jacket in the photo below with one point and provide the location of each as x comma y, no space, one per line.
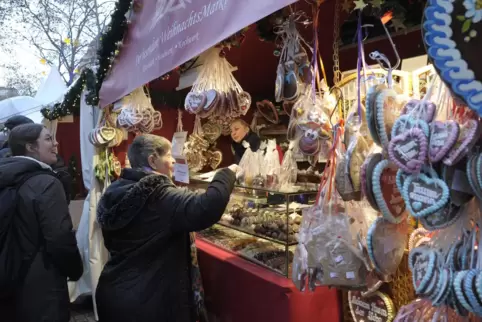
45,233
146,221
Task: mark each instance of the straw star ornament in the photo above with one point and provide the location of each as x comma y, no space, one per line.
359,5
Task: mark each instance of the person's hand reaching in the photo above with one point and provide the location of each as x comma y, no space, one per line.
236,169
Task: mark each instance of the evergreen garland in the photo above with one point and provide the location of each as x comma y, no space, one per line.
110,44
71,102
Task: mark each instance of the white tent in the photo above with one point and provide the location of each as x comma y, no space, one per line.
21,105
50,90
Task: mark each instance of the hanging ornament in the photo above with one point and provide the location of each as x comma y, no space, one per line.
67,41
359,5
397,24
43,61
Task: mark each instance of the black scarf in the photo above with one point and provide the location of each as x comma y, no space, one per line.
238,148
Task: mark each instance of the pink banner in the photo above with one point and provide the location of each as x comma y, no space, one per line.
167,33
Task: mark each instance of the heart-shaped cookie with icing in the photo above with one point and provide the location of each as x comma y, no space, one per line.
442,218
244,102
343,183
443,136
405,123
195,102
424,195
419,109
212,131
458,183
423,267
215,158
469,135
386,245
366,174
378,306
387,110
409,150
370,110
471,170
356,154
387,195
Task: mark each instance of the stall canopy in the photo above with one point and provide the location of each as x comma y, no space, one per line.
50,90
167,33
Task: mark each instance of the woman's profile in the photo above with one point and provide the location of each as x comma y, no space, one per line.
146,222
38,248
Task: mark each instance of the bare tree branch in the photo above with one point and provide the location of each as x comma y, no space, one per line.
59,31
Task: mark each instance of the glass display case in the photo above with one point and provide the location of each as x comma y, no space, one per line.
260,225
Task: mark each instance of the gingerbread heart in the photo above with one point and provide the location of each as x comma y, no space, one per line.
386,245
211,97
343,183
244,102
424,195
468,137
387,195
376,307
451,32
423,269
212,131
472,174
419,109
409,150
195,102
443,136
215,159
442,218
387,111
356,154
458,183
406,122
370,106
367,174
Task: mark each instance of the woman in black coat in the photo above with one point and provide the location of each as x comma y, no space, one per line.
146,223
43,230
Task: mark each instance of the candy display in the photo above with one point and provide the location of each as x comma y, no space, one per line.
269,223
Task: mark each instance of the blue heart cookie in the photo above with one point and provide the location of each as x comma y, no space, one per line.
394,210
370,111
406,122
423,269
380,110
448,27
433,193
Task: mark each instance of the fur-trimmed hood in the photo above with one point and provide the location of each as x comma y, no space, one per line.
125,198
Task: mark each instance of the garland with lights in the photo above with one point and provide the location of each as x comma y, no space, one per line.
71,102
110,44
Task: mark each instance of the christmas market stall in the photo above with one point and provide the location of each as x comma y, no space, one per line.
360,193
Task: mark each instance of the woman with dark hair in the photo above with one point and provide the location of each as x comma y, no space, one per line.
40,231
152,274
10,124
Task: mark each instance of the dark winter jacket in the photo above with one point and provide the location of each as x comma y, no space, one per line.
4,152
145,222
238,148
45,234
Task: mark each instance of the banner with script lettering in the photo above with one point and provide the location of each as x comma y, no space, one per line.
167,33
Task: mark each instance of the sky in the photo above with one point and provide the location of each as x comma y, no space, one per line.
25,55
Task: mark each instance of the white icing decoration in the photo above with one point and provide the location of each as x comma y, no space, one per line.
454,70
